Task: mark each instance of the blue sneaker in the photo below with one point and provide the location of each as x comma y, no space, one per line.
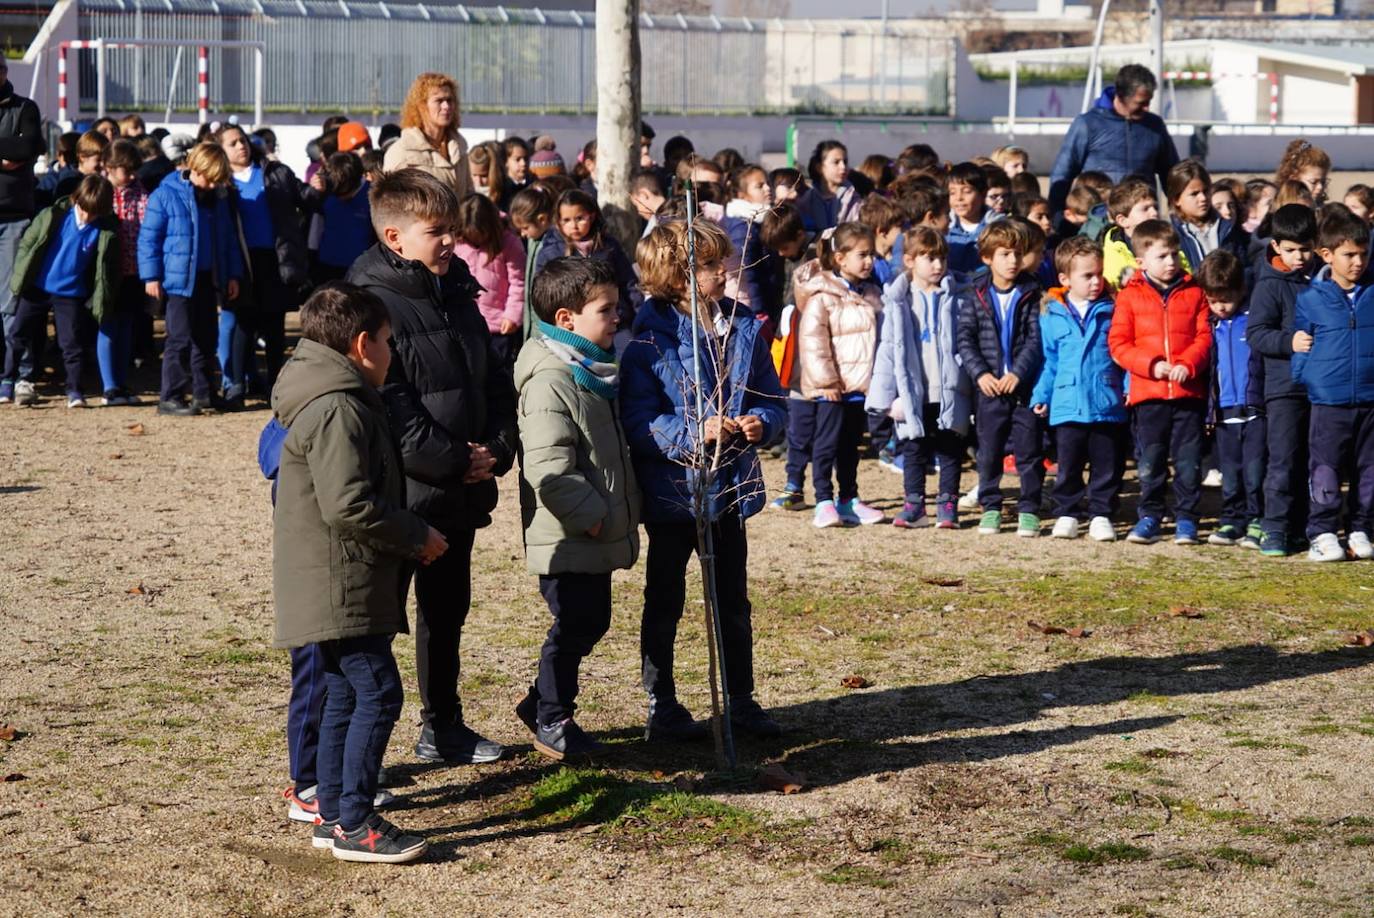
1274,545
1185,532
1146,532
889,461
6,392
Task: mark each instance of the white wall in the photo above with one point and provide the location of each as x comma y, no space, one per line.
1311,96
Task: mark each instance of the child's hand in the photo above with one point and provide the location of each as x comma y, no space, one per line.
989,385
1009,383
595,530
233,290
1302,342
1161,369
831,395
506,327
1178,373
898,410
751,426
153,289
480,463
716,427
317,182
435,546
1040,410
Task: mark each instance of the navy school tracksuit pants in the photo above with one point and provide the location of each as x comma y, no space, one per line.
1000,422
1341,442
1287,422
1165,429
1100,447
1241,452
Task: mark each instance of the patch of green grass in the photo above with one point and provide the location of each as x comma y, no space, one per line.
1104,854
1048,840
1356,822
1132,765
1241,857
1183,862
235,656
855,875
1295,748
1359,841
59,582
1320,730
1144,697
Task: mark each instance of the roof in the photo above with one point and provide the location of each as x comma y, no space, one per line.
1354,60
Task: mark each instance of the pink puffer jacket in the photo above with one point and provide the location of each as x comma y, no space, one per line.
502,279
838,335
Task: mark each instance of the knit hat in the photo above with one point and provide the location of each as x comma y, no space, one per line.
546,163
352,135
176,146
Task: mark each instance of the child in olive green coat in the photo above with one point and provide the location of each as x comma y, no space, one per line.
578,498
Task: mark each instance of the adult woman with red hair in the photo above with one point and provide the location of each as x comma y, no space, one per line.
429,134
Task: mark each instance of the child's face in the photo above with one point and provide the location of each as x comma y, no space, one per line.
1356,206
1314,177
82,216
835,167
996,200
857,263
517,165
756,190
938,220
1347,263
1073,218
237,149
88,165
792,248
1040,216
1193,205
885,240
965,202
430,242
598,319
1014,166
1159,261
711,279
1263,203
1005,264
1223,307
574,222
1224,203
119,176
480,184
1140,212
784,192
531,229
927,269
1084,280
1293,255
371,354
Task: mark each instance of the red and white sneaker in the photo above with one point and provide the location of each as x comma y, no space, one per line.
305,808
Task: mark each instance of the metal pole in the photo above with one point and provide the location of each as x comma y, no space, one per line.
258,102
172,83
882,60
1097,51
99,78
62,84
1157,39
202,84
1011,96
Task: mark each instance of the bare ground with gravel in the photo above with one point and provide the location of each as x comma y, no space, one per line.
1164,764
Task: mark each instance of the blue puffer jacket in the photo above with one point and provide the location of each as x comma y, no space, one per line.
1101,140
963,261
168,239
1233,359
658,409
897,370
1339,370
1079,380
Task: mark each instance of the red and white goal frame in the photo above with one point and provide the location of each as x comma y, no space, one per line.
1271,78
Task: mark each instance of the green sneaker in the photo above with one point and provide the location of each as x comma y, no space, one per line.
1027,525
991,523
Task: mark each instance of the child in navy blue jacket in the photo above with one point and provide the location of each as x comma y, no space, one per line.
668,439
1333,358
347,219
577,217
999,344
968,217
1239,418
188,250
1080,391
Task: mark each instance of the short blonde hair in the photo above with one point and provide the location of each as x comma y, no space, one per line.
210,160
662,255
413,110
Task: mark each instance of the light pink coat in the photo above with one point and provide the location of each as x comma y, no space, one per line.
502,279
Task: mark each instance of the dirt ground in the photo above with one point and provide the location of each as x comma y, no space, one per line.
1203,750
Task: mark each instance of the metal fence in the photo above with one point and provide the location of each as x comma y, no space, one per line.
361,57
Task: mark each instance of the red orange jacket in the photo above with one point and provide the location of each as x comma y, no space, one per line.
1148,327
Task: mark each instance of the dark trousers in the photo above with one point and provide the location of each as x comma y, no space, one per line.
74,326
1241,456
1285,478
259,313
1342,441
919,454
505,348
1101,448
835,448
443,593
665,591
801,434
362,701
881,431
581,609
1169,429
303,713
1003,422
188,354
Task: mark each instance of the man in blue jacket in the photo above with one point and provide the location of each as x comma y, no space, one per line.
1118,136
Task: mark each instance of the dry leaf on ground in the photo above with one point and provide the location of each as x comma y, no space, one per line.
943,581
854,682
1184,612
15,776
8,732
1076,632
137,430
1361,639
776,778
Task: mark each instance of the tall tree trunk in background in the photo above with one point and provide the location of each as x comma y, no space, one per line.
617,114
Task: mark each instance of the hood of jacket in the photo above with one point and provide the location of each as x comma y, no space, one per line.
1059,296
662,317
1267,271
314,371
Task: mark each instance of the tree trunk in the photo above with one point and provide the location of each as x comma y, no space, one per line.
617,115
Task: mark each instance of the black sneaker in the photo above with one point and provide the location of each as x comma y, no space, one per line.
566,740
747,715
214,403
377,841
528,710
322,834
456,744
177,408
670,721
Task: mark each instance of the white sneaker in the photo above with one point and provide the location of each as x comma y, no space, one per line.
1326,547
1212,479
24,394
1066,527
296,813
1101,530
76,401
970,500
1360,545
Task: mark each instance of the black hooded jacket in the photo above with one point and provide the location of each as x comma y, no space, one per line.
21,141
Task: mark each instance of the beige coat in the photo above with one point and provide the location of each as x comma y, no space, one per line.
413,150
839,335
